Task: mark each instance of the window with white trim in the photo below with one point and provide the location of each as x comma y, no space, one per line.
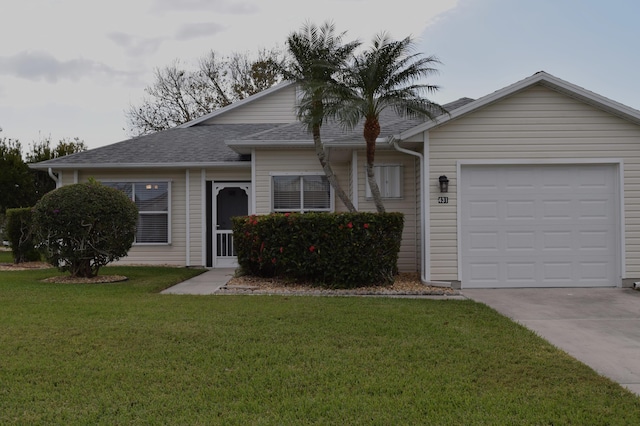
306,193
389,180
152,200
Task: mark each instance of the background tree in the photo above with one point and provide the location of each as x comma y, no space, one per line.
84,226
317,57
250,76
179,95
16,180
387,75
42,151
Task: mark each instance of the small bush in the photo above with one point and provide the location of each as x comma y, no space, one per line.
85,226
339,250
18,231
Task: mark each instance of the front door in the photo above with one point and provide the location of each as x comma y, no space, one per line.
230,199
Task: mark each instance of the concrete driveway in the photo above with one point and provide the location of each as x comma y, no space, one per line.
598,326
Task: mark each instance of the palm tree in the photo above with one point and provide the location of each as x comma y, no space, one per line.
318,55
386,76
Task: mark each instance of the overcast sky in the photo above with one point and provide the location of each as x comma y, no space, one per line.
70,68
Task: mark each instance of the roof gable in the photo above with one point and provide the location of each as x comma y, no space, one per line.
539,78
238,104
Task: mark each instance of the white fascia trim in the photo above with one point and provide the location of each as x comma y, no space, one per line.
354,179
230,164
137,180
203,216
236,104
543,161
618,162
252,205
426,206
380,143
187,178
548,80
245,147
623,235
267,143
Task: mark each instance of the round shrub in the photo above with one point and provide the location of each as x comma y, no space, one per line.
84,226
19,233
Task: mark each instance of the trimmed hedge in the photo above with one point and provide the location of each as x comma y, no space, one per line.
342,250
20,236
85,226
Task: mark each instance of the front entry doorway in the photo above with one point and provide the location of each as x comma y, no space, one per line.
228,199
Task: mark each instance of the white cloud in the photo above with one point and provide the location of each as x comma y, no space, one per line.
197,30
222,6
43,66
135,45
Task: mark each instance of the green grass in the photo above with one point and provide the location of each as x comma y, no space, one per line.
123,354
6,257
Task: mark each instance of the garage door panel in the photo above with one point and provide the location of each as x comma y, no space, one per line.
595,209
595,179
520,241
521,272
594,271
520,209
485,272
557,241
557,209
483,242
557,272
482,210
596,241
532,225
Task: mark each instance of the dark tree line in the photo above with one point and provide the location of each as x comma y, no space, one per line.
21,186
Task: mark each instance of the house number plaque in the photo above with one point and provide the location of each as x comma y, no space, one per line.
443,200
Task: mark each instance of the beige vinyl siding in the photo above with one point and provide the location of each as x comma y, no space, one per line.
408,260
291,161
535,124
196,221
161,254
66,177
229,175
276,107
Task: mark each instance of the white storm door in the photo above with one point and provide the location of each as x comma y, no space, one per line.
539,225
230,199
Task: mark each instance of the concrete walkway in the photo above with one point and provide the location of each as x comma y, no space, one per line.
206,283
598,326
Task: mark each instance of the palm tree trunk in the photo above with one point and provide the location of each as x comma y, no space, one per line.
375,190
328,171
371,132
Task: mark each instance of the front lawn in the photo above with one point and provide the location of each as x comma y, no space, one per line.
6,256
124,354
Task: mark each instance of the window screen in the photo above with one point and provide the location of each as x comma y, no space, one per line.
301,193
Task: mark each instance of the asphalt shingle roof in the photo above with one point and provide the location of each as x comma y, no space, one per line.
198,144
390,124
206,143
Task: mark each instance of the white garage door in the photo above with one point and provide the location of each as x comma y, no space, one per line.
539,226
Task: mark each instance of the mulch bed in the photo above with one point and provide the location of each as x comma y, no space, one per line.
404,285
